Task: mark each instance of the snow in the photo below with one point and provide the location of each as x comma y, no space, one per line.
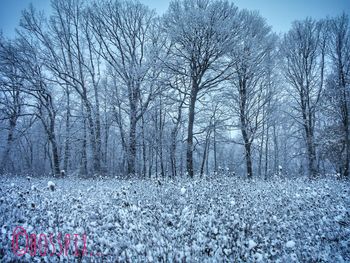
258,257
183,190
290,244
251,244
51,185
140,220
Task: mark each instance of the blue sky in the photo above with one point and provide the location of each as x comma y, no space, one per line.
278,13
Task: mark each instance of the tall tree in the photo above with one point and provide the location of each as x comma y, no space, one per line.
339,83
11,99
201,34
68,53
251,63
41,91
127,34
303,49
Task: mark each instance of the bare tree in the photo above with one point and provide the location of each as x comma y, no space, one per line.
127,35
40,90
11,100
179,86
303,49
68,52
251,64
338,94
200,34
132,93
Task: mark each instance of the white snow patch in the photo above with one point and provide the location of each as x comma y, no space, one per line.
290,244
227,251
51,185
258,257
338,218
183,190
251,244
139,248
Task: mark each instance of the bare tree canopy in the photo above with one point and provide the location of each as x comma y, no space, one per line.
112,88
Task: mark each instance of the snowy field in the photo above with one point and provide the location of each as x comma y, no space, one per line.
226,220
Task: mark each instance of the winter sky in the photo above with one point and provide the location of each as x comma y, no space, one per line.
278,13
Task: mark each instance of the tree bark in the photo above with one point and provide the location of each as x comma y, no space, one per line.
83,162
206,145
244,126
173,152
144,148
215,147
9,142
67,141
266,151
54,148
261,152
132,140
92,135
98,129
191,115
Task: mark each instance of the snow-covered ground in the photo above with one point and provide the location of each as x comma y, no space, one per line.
224,219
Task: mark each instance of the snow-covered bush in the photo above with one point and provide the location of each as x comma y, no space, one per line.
202,220
51,185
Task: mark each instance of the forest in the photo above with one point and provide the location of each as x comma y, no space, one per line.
197,135
111,88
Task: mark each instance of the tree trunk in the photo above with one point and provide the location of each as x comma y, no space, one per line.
106,133
10,139
56,160
54,148
144,149
261,152
275,149
83,162
345,114
161,126
215,148
347,146
309,134
247,147
205,153
173,152
191,113
174,133
266,152
150,161
98,129
91,126
67,141
244,127
207,161
132,141
105,154
311,156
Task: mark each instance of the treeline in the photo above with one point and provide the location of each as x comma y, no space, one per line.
110,87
